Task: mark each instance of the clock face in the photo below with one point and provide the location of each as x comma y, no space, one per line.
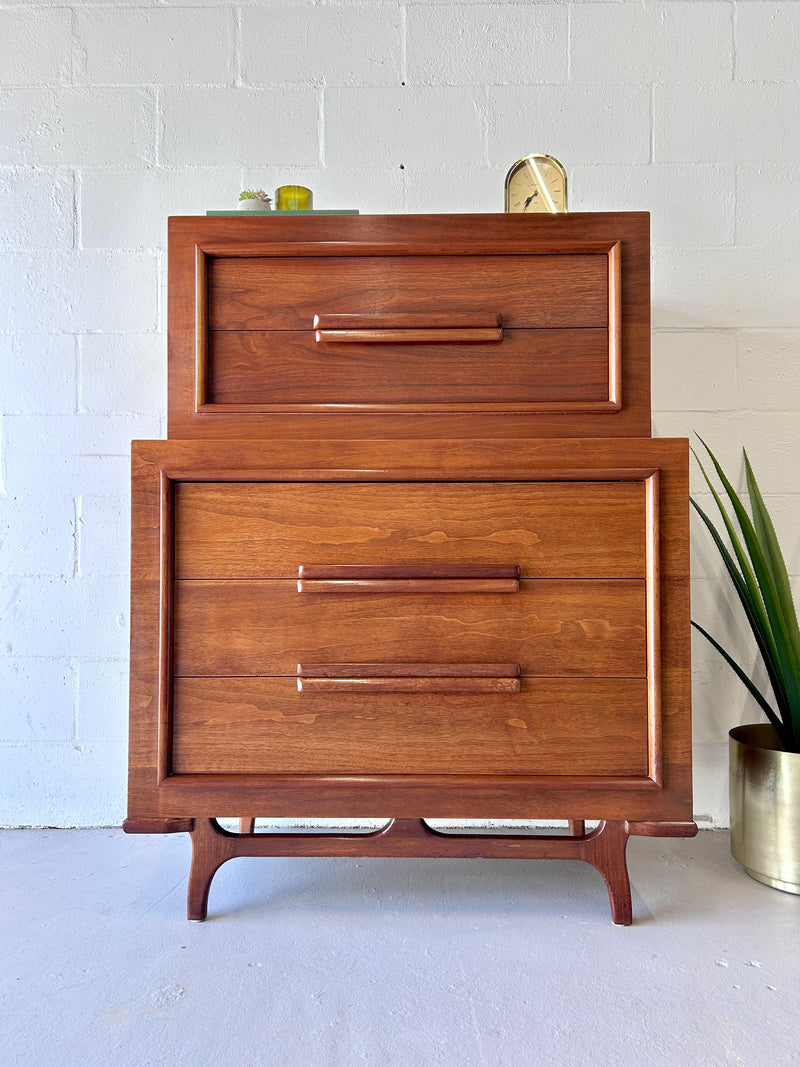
536,183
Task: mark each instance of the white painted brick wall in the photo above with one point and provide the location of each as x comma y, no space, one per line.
115,114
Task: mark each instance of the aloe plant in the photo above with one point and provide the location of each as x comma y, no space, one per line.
757,569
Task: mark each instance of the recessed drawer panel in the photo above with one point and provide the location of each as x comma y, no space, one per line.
551,727
549,529
587,628
526,291
291,367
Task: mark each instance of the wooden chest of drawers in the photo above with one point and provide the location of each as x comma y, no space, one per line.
375,577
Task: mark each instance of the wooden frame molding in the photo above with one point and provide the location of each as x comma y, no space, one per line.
203,253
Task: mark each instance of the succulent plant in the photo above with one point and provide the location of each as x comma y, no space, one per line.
253,194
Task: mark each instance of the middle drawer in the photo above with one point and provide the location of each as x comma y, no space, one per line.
594,628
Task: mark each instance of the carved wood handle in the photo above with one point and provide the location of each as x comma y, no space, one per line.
408,670
407,579
398,327
350,571
410,586
409,685
454,678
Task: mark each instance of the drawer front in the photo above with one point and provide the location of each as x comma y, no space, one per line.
401,326
549,529
551,727
526,291
293,367
567,628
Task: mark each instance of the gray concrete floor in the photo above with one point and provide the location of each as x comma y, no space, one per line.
390,962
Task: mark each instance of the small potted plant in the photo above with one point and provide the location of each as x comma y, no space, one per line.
254,200
764,757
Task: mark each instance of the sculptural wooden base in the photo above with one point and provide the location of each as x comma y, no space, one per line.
603,847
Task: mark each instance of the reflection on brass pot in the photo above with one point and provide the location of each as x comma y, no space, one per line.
765,807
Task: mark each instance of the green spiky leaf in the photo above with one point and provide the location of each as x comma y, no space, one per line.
758,571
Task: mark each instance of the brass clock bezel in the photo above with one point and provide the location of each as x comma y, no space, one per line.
532,164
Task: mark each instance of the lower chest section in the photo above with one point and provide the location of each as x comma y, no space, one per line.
396,628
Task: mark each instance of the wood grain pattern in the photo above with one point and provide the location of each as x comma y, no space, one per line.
603,848
408,670
409,437
331,572
531,291
550,529
590,628
208,390
399,320
193,465
447,336
425,685
407,586
289,367
570,727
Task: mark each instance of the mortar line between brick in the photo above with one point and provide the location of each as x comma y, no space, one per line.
237,47
403,44
77,222
77,354
321,127
159,126
74,666
77,508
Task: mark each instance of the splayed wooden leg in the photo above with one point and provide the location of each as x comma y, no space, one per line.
605,850
211,847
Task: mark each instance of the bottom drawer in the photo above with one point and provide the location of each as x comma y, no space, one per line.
553,726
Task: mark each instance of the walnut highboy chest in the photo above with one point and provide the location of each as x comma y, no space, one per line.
409,550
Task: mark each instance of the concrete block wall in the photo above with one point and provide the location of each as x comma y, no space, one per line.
116,113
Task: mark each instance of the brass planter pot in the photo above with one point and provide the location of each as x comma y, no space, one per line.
765,807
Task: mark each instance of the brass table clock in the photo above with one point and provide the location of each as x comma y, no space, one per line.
536,183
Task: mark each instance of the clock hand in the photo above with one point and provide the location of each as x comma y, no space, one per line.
527,202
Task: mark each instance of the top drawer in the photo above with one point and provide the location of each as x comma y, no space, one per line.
521,291
369,318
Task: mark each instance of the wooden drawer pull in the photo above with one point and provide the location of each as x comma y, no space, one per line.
405,586
409,685
399,328
350,571
404,579
474,335
451,678
408,670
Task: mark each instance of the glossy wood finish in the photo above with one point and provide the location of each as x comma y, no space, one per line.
604,848
451,336
244,360
569,727
271,292
406,571
267,529
547,368
391,578
424,685
580,628
655,470
407,586
408,670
